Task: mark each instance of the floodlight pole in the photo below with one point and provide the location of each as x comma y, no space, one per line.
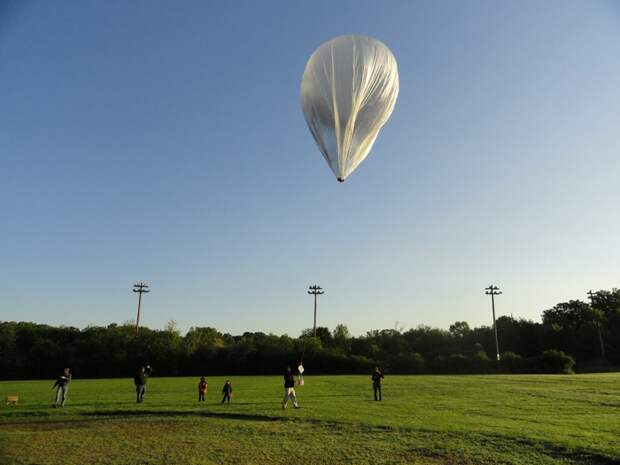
493,291
592,296
315,290
140,288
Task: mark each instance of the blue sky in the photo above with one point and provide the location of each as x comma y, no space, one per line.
164,142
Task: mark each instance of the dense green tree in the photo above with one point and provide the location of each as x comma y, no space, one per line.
342,338
568,333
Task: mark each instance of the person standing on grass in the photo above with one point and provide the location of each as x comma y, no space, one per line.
289,389
227,391
202,389
377,376
62,386
140,381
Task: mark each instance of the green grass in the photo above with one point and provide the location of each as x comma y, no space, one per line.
423,420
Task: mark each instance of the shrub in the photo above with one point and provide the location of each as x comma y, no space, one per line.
479,362
554,361
408,363
512,363
458,363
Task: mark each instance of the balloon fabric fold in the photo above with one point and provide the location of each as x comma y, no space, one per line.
348,91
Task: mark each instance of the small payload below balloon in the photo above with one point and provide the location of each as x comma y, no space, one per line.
348,91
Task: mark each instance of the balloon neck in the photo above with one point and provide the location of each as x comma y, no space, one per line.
340,179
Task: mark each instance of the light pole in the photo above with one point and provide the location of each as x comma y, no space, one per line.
315,290
140,288
592,296
493,291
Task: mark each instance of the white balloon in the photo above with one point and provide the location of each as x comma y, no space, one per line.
348,92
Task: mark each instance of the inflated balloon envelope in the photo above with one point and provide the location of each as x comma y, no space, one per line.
348,92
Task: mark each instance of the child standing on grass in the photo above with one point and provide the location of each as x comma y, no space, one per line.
202,389
227,391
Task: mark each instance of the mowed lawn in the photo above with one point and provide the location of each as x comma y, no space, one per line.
525,419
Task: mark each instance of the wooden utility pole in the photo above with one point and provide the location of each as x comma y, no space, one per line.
315,290
493,291
140,288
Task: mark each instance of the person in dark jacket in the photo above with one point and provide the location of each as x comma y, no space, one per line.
140,380
377,376
227,391
62,386
202,389
289,389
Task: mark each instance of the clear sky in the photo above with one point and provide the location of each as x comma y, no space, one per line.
164,142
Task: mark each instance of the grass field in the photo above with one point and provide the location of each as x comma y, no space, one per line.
422,420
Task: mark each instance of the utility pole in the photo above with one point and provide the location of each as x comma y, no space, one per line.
592,296
493,291
140,288
315,290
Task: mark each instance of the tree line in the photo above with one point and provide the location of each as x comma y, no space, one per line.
571,335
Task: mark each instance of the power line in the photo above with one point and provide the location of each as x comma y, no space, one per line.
140,288
315,290
493,291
